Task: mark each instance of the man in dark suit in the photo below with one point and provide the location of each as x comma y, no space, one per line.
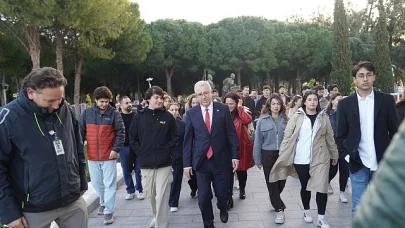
366,123
211,146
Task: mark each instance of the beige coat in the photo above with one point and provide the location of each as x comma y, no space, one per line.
323,149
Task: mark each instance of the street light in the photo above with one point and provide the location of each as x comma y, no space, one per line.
149,80
4,88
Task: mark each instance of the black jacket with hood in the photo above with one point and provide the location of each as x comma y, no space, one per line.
153,135
33,178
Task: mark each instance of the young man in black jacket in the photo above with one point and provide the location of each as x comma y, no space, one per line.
153,136
42,165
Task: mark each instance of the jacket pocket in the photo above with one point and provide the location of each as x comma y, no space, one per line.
26,185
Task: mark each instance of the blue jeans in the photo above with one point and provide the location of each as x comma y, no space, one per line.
103,176
359,180
127,172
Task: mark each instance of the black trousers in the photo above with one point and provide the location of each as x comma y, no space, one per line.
176,185
321,198
343,167
269,157
209,173
242,178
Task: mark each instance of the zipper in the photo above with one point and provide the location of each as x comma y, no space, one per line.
27,191
275,125
153,137
98,141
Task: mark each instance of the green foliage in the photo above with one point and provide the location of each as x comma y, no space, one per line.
352,87
341,62
384,73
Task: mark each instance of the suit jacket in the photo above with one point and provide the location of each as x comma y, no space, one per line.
348,127
250,103
222,139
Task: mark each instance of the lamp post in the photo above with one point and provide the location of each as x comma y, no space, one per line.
149,80
4,88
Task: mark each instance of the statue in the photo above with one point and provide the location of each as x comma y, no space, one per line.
209,79
228,83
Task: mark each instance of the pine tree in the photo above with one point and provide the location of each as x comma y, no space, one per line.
341,56
384,74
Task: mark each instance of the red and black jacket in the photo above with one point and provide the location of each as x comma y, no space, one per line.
104,132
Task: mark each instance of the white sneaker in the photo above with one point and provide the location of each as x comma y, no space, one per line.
322,223
236,184
130,196
280,218
343,197
140,195
153,223
307,217
330,189
174,209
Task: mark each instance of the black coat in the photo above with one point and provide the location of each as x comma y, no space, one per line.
400,112
153,135
348,127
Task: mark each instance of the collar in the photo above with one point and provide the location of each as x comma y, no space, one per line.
370,96
210,107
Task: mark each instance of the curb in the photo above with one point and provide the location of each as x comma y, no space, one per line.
91,197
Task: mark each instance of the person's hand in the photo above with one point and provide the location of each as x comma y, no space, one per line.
82,192
240,103
235,165
19,223
259,166
188,172
113,155
334,162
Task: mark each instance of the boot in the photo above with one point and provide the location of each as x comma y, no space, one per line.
230,204
242,194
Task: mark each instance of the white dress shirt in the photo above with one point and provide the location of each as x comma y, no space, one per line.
366,146
210,108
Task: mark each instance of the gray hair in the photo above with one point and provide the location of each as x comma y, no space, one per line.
201,84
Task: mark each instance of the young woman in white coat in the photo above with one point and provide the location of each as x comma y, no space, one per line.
308,144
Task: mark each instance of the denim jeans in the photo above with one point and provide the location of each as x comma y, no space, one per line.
103,176
359,180
127,172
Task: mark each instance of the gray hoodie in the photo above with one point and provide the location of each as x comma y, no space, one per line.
268,136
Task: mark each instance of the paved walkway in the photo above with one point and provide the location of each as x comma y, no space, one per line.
255,211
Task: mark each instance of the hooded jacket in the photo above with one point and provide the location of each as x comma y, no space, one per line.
33,178
153,135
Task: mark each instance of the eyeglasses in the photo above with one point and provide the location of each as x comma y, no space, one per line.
363,76
309,92
206,93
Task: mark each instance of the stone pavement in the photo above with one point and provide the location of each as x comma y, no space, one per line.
255,211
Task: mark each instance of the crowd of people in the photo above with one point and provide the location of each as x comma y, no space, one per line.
211,140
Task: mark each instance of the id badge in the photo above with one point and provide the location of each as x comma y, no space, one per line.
57,143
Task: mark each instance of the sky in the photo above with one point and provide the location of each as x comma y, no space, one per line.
211,11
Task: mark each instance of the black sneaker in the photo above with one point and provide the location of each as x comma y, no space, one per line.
101,210
108,219
193,194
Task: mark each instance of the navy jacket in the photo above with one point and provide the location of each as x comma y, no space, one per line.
223,138
32,177
178,152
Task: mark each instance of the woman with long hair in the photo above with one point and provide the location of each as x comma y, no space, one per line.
294,105
192,101
309,145
177,166
241,120
343,166
268,137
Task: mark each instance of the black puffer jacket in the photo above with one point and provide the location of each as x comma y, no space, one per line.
32,177
153,135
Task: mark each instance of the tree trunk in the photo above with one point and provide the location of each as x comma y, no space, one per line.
17,82
139,86
78,75
299,83
169,75
238,80
59,50
32,36
268,79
